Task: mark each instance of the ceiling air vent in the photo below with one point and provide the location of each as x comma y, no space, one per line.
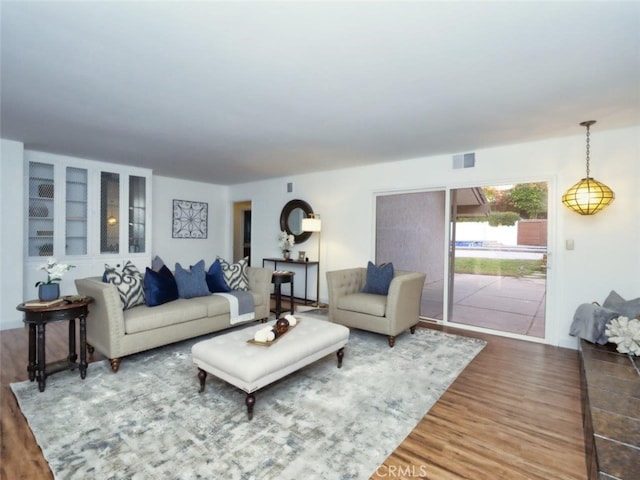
464,160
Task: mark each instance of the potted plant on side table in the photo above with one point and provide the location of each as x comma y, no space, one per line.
286,242
50,289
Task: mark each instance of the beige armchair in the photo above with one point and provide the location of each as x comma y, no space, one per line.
388,315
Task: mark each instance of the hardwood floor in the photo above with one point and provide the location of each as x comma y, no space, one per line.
513,413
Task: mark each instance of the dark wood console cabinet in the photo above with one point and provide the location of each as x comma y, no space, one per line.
610,384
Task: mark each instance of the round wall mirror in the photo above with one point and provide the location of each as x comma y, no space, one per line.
291,219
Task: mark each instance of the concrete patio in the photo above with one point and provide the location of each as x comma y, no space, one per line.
508,304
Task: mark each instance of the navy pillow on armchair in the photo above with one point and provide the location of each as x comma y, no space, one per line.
378,278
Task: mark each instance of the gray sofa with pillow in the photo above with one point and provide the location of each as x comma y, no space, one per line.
116,332
388,314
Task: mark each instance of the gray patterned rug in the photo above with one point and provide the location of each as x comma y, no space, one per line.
148,421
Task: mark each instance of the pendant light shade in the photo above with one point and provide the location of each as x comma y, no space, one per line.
588,196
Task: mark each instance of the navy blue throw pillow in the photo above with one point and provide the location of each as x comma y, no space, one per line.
215,278
159,287
378,278
192,282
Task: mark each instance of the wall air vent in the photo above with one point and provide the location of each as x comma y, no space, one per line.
464,160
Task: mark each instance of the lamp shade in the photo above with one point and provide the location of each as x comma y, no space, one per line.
588,196
311,224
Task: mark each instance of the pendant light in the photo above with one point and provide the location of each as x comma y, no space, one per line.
588,196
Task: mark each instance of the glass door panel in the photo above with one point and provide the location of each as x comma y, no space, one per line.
41,210
76,211
410,233
109,212
137,214
498,249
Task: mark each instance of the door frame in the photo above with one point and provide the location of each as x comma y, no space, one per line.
551,325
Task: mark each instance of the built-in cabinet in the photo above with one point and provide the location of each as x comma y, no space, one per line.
85,213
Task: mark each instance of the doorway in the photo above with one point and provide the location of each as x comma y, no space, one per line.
492,263
497,259
242,230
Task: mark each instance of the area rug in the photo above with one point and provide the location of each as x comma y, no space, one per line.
149,421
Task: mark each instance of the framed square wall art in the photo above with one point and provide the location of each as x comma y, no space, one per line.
189,219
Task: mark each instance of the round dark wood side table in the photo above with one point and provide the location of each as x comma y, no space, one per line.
279,278
37,317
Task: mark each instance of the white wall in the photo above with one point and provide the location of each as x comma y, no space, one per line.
11,232
606,254
188,251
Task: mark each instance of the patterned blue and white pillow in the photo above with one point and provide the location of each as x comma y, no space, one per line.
235,274
128,282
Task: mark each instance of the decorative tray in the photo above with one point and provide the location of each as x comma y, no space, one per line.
268,344
75,298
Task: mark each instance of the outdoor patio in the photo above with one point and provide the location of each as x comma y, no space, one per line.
509,304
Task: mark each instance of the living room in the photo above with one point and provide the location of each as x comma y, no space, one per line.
604,252
605,255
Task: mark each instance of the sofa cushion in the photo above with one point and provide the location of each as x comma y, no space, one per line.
214,304
215,278
192,282
378,278
235,274
367,303
628,308
159,287
143,318
128,282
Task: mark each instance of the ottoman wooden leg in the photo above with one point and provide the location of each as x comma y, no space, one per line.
250,401
202,376
340,354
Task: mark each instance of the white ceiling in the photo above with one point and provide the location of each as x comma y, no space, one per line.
231,92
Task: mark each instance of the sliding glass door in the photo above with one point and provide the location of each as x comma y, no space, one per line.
488,262
411,233
497,262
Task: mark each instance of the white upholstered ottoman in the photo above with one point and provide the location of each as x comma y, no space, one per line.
250,367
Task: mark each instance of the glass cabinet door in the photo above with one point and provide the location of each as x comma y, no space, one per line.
41,212
137,214
76,211
109,212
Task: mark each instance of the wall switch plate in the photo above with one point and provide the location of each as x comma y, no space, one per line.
569,244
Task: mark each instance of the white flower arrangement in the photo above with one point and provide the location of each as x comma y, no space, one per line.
54,270
285,241
626,333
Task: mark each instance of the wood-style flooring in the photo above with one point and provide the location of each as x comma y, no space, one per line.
514,413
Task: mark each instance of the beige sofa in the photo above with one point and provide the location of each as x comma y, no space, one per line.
389,315
117,333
